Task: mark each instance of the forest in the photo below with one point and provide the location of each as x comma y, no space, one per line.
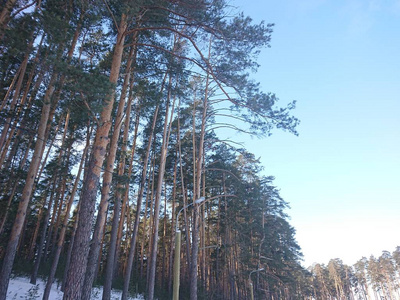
115,169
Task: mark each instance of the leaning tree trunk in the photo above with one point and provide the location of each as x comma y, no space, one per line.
172,237
132,247
64,226
197,194
125,195
80,251
45,230
43,236
161,171
19,117
110,163
17,92
5,16
105,193
26,193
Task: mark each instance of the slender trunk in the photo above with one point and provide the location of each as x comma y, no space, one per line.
184,194
105,195
146,206
70,246
197,192
164,237
113,150
132,246
17,91
172,238
11,196
26,194
43,237
67,211
65,164
163,157
5,16
126,193
24,118
31,251
80,251
150,223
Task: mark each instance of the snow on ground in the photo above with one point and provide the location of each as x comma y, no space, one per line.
20,288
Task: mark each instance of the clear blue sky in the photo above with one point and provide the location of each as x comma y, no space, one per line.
341,61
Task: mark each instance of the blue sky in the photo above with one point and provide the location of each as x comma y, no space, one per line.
341,61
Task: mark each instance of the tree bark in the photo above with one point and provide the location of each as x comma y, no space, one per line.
126,196
197,194
110,162
5,16
132,246
26,194
80,251
17,91
105,196
67,211
161,171
42,237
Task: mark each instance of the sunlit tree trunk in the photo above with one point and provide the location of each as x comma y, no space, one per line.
113,150
27,192
80,251
105,194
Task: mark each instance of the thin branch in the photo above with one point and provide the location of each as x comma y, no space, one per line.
90,110
230,126
112,14
23,8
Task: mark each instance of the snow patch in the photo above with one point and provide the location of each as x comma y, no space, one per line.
21,288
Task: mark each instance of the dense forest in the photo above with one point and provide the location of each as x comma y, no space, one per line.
113,168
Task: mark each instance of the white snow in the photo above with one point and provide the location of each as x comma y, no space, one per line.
20,288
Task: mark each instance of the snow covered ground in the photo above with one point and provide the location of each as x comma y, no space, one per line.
20,288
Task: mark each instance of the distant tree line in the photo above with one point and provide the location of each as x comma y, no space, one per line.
373,278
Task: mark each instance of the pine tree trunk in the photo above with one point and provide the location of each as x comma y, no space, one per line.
26,194
126,193
164,242
132,246
67,211
172,238
43,237
5,16
31,251
161,171
105,196
70,246
150,182
17,91
24,118
80,251
184,196
113,150
197,194
15,185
